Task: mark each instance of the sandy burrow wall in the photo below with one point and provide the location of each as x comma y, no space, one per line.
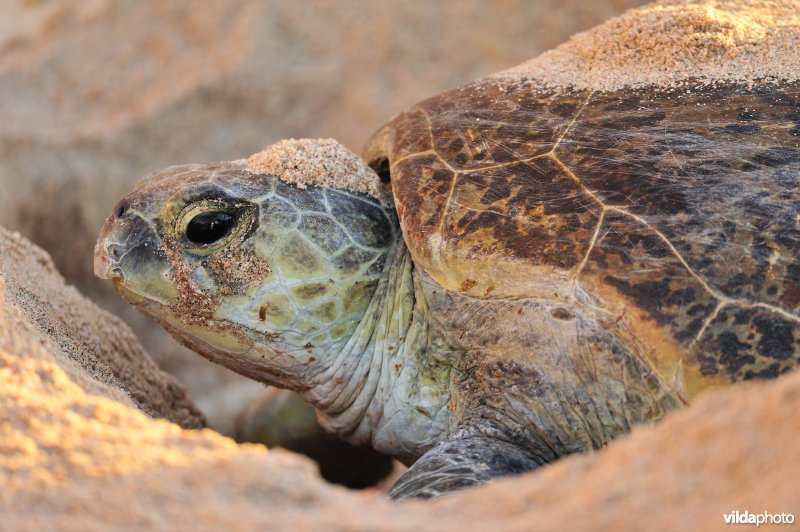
77,454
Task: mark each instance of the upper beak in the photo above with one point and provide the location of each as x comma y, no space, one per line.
104,266
126,242
128,252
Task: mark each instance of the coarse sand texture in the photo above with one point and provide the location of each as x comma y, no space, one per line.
669,42
321,162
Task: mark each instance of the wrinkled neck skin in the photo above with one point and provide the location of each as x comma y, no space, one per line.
382,388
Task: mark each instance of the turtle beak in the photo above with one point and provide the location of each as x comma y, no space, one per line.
102,265
128,251
126,240
108,251
106,267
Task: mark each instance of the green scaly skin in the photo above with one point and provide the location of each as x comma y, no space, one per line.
312,290
393,396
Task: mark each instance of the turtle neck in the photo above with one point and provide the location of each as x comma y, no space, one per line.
382,387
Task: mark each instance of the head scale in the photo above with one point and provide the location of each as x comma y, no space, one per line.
262,275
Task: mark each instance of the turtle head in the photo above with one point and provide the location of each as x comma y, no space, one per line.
262,275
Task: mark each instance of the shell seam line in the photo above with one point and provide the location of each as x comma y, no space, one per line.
723,300
455,173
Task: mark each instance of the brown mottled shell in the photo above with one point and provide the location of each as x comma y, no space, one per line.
676,210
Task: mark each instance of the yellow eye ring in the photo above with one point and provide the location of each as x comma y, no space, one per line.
207,226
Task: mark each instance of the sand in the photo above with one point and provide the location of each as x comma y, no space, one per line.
52,325
76,453
668,42
321,162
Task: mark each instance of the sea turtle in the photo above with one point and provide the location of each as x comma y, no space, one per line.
555,266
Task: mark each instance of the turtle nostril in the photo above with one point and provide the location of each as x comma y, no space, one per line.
115,250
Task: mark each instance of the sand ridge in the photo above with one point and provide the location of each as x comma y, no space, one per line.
672,41
43,318
321,162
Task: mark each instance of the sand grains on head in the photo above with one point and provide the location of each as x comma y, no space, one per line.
320,162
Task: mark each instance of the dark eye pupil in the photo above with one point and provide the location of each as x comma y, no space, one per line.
209,227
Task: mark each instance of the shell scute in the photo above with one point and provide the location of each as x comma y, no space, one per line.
670,208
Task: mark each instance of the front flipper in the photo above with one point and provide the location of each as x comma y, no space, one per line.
459,462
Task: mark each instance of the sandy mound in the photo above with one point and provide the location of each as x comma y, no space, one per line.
320,162
76,455
52,326
663,43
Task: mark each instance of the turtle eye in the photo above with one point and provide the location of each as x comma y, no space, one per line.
209,227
